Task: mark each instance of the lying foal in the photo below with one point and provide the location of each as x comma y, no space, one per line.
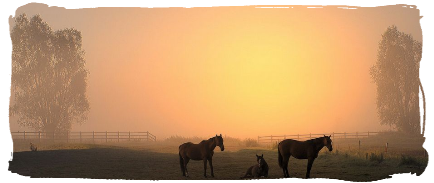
258,170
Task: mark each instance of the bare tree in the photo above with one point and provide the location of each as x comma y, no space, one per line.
396,74
48,76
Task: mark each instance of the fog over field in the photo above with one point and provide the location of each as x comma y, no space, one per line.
240,69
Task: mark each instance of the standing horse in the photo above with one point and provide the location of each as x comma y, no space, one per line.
202,151
301,150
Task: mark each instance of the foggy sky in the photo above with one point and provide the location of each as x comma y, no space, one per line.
238,71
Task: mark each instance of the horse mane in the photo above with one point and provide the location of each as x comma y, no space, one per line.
203,141
315,139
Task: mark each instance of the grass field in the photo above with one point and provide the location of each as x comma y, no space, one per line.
160,161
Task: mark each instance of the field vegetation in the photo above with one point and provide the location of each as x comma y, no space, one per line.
160,161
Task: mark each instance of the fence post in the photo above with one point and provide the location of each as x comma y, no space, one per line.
53,136
93,136
105,136
67,137
271,139
387,144
298,136
368,133
359,145
24,135
39,136
129,136
118,136
333,136
80,136
284,136
147,136
310,135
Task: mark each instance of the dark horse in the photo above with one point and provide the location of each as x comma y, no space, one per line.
202,151
258,170
301,150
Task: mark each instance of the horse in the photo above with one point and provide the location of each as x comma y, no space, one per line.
202,151
258,170
301,150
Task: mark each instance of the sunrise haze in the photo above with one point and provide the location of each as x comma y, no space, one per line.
237,71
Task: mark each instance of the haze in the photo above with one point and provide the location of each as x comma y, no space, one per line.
238,71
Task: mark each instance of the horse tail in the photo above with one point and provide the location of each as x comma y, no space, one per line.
280,157
181,162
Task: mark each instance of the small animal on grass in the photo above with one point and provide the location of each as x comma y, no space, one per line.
258,170
202,151
301,150
33,147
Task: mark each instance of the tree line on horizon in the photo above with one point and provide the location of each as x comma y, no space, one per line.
49,78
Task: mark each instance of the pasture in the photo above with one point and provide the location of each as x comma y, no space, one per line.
160,161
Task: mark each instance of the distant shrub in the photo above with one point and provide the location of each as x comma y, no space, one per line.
409,160
376,158
251,142
180,139
274,146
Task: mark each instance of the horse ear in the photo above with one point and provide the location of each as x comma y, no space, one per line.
262,155
220,135
257,155
216,135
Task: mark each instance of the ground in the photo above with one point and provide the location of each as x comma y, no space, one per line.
160,161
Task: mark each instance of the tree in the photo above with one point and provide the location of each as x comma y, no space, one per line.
396,73
4,113
48,76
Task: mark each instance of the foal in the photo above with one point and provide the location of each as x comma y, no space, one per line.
258,170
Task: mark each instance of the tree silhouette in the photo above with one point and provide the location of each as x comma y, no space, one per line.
396,74
4,113
48,76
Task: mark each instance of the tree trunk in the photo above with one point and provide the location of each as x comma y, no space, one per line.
424,107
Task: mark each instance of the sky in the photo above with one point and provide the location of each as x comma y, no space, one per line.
238,71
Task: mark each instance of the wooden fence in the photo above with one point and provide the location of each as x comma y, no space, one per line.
334,135
84,136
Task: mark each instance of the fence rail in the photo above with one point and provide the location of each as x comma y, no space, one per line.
84,136
334,135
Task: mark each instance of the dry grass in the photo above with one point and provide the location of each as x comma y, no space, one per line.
160,161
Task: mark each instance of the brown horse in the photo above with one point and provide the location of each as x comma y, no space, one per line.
258,170
202,151
301,150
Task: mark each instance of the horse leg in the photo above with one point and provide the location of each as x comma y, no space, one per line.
212,168
285,166
185,166
204,167
309,166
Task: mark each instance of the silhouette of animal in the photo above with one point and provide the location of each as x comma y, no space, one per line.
258,170
202,151
301,150
33,147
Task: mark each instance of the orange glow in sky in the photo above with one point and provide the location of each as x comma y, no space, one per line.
237,71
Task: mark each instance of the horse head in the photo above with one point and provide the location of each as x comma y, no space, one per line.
260,160
219,142
328,142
